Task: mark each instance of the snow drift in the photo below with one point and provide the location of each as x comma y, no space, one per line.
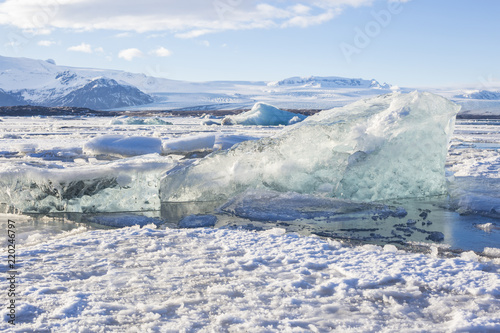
264,115
391,146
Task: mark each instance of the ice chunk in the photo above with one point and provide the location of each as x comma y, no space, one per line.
488,227
259,205
492,252
130,184
125,120
189,144
390,146
264,114
122,145
208,122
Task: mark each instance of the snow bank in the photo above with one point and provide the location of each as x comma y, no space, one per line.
265,115
391,146
122,145
215,280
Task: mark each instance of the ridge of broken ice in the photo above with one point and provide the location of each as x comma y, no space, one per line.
390,146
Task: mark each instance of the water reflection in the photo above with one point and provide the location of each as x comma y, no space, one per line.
405,223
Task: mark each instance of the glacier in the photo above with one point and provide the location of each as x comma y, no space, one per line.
390,146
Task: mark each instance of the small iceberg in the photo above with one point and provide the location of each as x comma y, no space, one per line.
391,146
263,114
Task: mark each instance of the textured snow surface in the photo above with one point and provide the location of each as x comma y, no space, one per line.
264,114
205,280
391,146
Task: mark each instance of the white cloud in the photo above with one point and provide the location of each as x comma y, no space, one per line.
130,54
46,43
161,52
123,35
308,20
83,47
186,19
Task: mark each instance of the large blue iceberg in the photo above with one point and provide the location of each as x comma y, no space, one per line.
391,146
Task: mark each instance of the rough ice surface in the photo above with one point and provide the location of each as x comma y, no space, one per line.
265,115
121,145
391,146
218,280
130,184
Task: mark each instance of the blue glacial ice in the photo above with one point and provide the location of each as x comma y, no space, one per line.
265,115
390,146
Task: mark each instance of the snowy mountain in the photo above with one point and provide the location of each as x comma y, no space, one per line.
43,83
481,95
332,81
9,99
38,82
102,93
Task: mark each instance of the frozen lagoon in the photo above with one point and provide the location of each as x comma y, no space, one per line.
58,166
132,279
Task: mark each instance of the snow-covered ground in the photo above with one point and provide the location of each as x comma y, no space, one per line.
217,280
261,269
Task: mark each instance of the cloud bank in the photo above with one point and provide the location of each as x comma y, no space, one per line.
186,19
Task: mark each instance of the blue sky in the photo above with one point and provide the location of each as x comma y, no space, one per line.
406,43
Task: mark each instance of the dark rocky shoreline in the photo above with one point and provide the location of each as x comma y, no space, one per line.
33,111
